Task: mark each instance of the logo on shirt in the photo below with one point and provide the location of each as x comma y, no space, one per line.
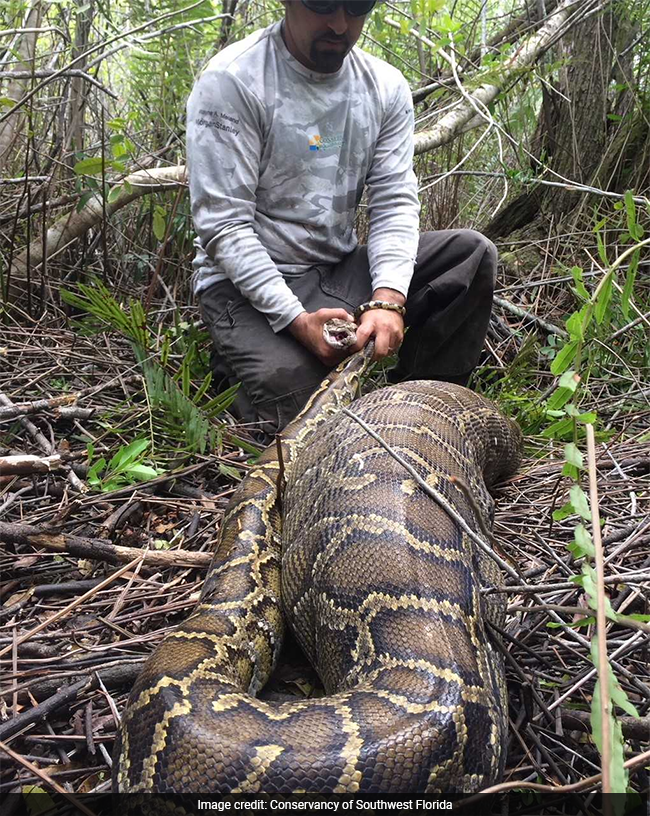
318,142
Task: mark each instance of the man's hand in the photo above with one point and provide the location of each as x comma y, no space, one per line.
385,325
307,328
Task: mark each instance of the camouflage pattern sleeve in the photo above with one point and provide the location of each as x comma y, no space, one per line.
225,124
393,204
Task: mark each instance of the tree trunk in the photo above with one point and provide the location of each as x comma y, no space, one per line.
77,102
25,48
575,138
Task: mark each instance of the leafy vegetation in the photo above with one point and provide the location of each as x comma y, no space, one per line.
176,407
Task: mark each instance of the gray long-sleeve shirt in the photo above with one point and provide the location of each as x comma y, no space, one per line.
278,157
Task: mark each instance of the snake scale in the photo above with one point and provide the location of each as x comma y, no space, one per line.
381,589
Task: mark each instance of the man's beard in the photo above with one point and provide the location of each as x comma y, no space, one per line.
327,61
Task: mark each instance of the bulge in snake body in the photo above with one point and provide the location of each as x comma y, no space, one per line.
381,589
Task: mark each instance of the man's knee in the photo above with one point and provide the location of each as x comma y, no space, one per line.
484,254
457,246
484,247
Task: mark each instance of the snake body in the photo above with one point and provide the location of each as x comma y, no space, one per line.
381,589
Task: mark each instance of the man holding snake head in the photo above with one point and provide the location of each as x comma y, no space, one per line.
287,129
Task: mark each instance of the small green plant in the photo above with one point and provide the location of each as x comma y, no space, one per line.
181,408
125,468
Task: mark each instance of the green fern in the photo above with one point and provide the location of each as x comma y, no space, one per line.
174,398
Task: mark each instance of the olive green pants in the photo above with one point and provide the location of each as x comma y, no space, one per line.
447,313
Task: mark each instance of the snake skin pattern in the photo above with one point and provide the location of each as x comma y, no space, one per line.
381,589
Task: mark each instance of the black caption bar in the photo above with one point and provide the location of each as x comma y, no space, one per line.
515,803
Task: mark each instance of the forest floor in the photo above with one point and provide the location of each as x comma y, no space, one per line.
95,573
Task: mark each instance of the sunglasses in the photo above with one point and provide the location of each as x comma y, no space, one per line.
355,8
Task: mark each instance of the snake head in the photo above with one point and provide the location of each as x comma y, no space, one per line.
340,334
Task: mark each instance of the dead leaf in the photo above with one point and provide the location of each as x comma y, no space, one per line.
18,596
85,567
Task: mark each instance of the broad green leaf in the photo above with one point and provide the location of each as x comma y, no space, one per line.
569,380
117,124
602,301
582,544
617,771
126,455
84,199
628,287
116,459
571,471
590,587
564,358
574,326
630,212
558,430
563,512
576,272
89,167
118,148
580,502
114,193
112,484
573,455
602,250
159,225
617,694
141,472
559,398
447,24
96,469
588,418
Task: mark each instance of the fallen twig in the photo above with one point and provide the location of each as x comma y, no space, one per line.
549,328
65,695
633,728
25,464
98,549
36,406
